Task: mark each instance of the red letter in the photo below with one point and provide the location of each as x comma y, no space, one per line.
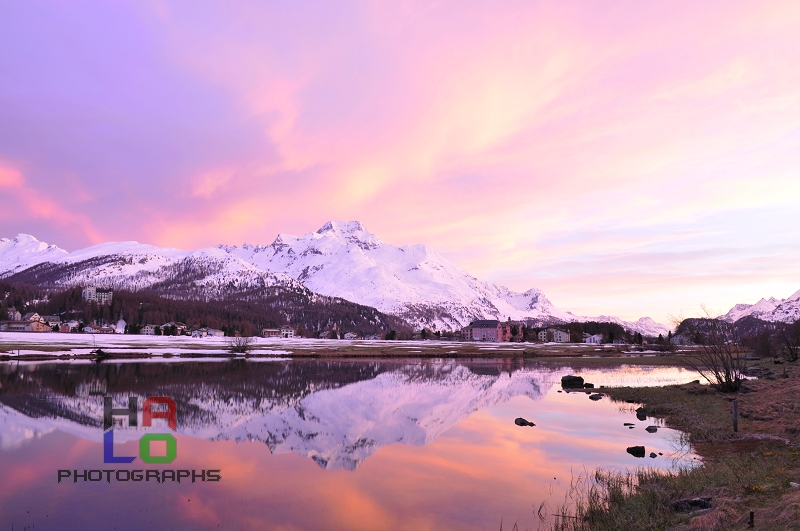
171,414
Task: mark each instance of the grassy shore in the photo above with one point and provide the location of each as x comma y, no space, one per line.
749,470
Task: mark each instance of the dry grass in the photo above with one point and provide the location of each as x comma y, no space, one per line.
746,471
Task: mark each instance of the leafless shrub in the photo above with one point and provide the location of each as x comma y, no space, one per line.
788,340
720,360
240,345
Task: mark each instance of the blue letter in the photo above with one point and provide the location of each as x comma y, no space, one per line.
108,450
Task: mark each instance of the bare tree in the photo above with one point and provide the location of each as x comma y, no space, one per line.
240,345
788,339
720,359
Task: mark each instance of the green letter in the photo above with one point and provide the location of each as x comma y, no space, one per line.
144,448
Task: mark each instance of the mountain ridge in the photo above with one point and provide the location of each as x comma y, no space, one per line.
341,259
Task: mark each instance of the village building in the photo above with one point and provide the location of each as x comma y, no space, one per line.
24,326
32,316
213,332
69,326
553,335
487,330
285,332
596,339
14,315
98,295
148,330
51,320
350,335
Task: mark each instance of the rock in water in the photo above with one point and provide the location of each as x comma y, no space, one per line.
572,382
653,455
588,386
651,429
636,451
596,396
519,421
641,414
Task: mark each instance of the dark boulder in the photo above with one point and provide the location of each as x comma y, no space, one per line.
572,382
641,413
588,386
636,451
651,429
519,421
653,455
691,504
596,396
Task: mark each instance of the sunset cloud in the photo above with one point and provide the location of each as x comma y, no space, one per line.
624,158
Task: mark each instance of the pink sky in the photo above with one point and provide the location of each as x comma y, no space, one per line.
628,158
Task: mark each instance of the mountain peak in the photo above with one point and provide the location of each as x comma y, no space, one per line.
350,232
342,227
25,238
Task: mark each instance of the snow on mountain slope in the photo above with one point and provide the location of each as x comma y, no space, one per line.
415,282
24,251
340,259
775,310
132,265
645,326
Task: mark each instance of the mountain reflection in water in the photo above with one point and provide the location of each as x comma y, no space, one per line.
338,413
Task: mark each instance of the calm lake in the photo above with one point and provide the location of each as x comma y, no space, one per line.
315,445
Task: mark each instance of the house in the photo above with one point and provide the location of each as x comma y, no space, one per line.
594,340
553,335
350,335
30,322
106,329
32,316
90,329
271,332
148,330
287,332
39,326
200,332
69,326
487,330
14,315
681,340
51,320
98,295
213,332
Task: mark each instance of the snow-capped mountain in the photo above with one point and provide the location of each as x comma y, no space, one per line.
24,251
774,310
414,282
134,266
341,260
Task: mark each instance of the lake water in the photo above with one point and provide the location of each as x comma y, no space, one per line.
315,445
